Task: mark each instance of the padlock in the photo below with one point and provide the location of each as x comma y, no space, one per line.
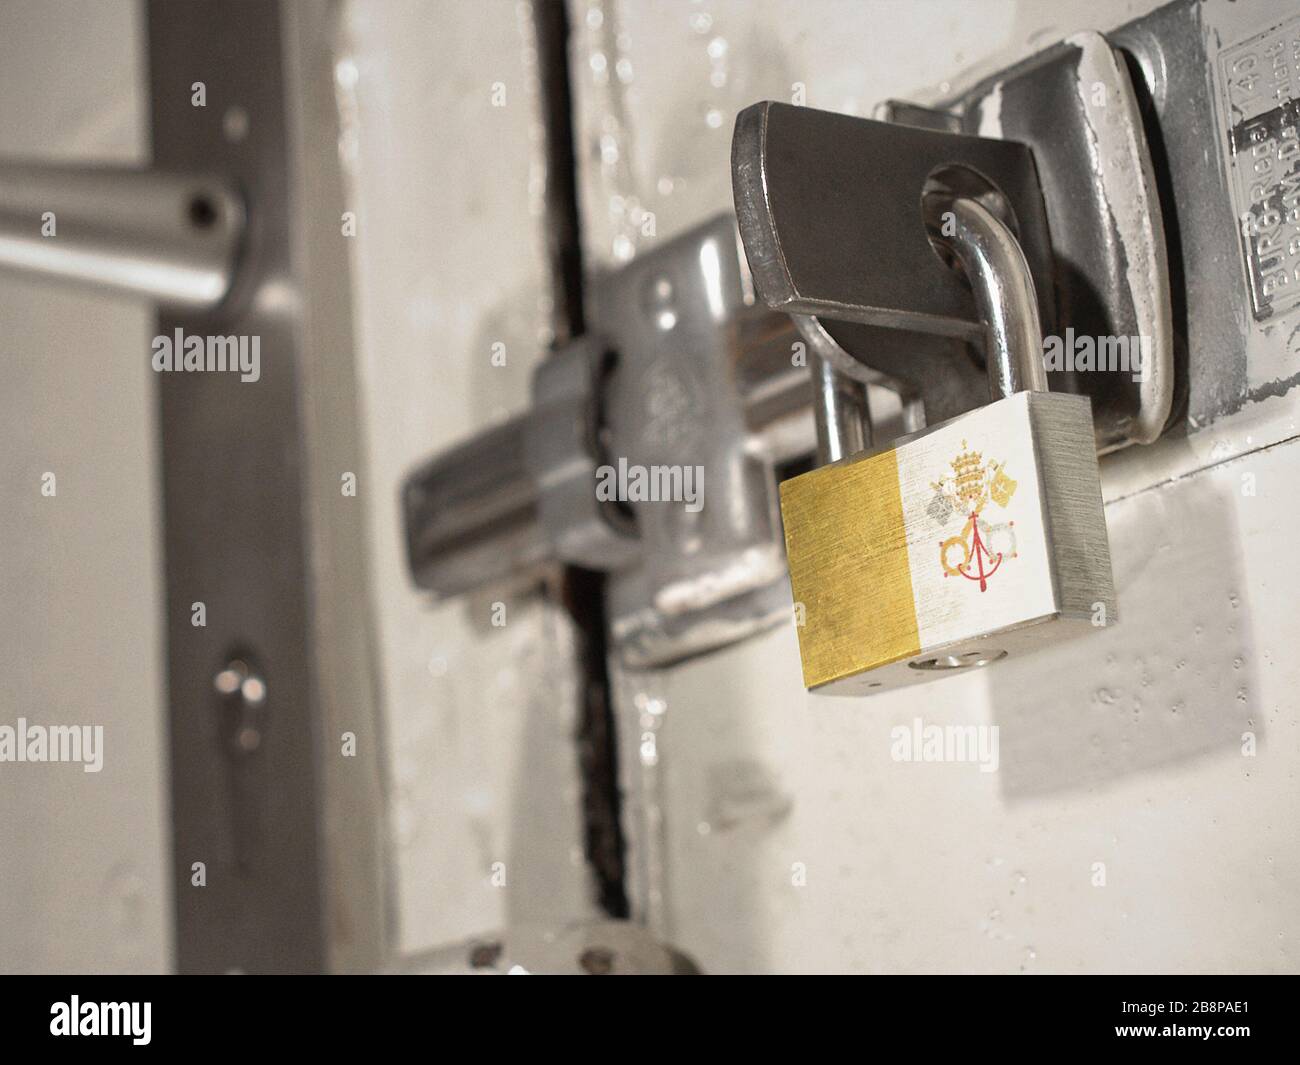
969,541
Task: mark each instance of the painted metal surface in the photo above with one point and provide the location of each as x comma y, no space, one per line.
484,795
793,840
1137,817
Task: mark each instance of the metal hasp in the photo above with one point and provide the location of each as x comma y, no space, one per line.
172,238
830,207
649,452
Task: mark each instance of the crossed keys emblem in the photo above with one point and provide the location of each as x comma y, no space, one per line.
979,550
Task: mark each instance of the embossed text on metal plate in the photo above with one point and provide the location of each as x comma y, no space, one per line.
1262,107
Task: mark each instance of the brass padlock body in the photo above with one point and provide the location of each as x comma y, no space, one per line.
956,546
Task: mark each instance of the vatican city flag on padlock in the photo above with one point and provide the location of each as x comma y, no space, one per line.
957,546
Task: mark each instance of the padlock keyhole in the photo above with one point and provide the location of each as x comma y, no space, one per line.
967,660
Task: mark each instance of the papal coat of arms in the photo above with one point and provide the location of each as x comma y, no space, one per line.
972,484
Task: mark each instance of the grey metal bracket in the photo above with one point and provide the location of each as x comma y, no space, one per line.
830,210
1077,108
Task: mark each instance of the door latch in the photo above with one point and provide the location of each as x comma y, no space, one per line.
650,452
829,204
687,377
